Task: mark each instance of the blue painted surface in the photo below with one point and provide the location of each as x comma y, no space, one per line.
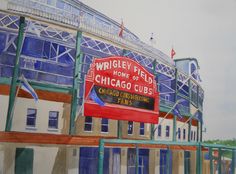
143,163
164,162
88,161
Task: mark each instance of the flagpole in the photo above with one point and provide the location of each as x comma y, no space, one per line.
190,118
163,119
14,104
83,102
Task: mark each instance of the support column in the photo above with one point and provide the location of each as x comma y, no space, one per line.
176,94
211,161
100,156
233,162
174,128
137,160
199,159
119,132
219,160
189,129
12,95
168,160
154,73
200,132
76,83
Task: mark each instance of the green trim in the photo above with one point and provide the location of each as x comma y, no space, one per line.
76,82
164,109
100,156
5,81
40,86
50,87
12,95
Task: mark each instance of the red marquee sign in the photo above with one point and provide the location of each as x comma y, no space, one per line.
121,89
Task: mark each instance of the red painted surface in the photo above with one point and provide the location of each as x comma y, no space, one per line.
126,75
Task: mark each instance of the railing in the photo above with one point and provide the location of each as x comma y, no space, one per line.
75,14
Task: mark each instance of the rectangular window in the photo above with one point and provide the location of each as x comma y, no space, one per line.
159,130
130,127
105,123
179,133
53,119
31,117
141,130
184,134
88,123
167,131
194,135
191,135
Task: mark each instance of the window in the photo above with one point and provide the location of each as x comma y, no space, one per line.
31,117
191,135
141,130
194,135
104,123
53,119
184,134
130,127
88,123
167,97
167,131
179,133
159,130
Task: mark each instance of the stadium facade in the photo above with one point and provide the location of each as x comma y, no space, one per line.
53,44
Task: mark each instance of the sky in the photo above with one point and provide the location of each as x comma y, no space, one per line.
203,29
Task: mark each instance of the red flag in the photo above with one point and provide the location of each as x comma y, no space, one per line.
172,53
121,29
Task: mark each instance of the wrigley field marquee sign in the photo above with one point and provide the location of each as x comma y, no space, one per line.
120,88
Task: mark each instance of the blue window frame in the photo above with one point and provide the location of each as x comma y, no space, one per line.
88,123
184,134
167,131
159,131
179,133
31,117
130,127
142,130
104,125
53,119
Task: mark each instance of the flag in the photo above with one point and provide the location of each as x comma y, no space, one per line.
172,53
176,111
28,88
94,97
121,29
152,39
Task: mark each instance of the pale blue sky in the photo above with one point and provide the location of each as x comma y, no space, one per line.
204,29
